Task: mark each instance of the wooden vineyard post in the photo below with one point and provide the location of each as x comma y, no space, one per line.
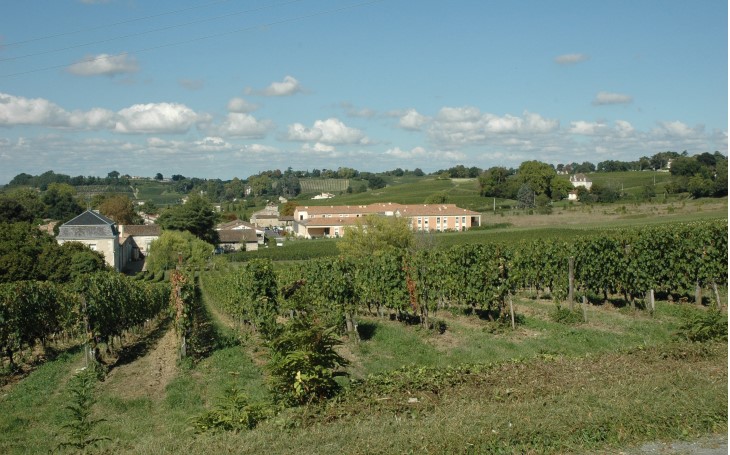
698,293
585,309
717,295
650,298
571,280
511,311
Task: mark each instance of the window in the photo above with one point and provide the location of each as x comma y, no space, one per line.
463,220
92,246
419,220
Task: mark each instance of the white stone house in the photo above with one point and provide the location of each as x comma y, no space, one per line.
100,234
581,180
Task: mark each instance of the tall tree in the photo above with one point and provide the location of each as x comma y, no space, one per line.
195,216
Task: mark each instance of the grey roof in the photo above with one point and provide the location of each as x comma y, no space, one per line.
142,229
88,225
237,236
89,218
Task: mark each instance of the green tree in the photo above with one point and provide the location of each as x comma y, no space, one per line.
376,233
525,197
21,244
559,188
165,250
492,182
195,216
119,208
537,175
60,201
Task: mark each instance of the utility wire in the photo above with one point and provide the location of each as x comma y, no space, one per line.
146,32
113,24
202,38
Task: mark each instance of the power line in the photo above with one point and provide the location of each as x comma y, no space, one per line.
146,32
113,24
202,38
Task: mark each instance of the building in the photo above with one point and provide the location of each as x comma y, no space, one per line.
331,221
266,217
141,237
581,180
100,234
237,240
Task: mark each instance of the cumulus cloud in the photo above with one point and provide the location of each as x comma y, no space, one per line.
104,65
457,126
331,132
156,118
240,124
678,129
604,98
570,59
412,120
17,110
240,105
289,86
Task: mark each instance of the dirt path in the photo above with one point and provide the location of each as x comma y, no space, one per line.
148,376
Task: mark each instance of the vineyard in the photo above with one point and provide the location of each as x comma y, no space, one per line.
315,186
362,355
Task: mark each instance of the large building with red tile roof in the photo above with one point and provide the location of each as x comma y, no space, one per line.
331,221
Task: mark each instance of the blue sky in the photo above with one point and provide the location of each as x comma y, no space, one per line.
223,89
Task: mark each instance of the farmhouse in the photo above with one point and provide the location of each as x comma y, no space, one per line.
98,233
581,180
238,239
141,237
331,221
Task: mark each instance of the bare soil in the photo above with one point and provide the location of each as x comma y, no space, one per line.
149,375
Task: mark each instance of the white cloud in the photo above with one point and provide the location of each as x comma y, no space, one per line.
678,129
412,120
460,126
570,59
318,147
331,131
604,98
240,105
104,65
239,124
156,118
213,144
584,128
17,110
289,86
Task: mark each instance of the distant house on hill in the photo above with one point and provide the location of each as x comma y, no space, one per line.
581,180
238,239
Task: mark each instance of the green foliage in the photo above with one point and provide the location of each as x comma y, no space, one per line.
195,216
81,425
304,362
701,326
376,233
60,202
234,413
563,315
27,253
165,250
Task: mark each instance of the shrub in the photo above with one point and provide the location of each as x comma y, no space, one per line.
566,315
235,413
703,326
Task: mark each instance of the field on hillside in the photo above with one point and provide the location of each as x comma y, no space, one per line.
316,186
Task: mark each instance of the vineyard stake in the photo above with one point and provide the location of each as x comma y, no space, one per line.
571,280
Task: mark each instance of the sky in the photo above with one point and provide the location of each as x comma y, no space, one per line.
229,88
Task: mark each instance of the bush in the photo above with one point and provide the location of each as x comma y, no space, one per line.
304,362
703,326
566,315
235,414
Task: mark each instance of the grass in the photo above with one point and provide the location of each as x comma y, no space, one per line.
546,387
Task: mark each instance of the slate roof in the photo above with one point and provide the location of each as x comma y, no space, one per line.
89,218
88,225
149,230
